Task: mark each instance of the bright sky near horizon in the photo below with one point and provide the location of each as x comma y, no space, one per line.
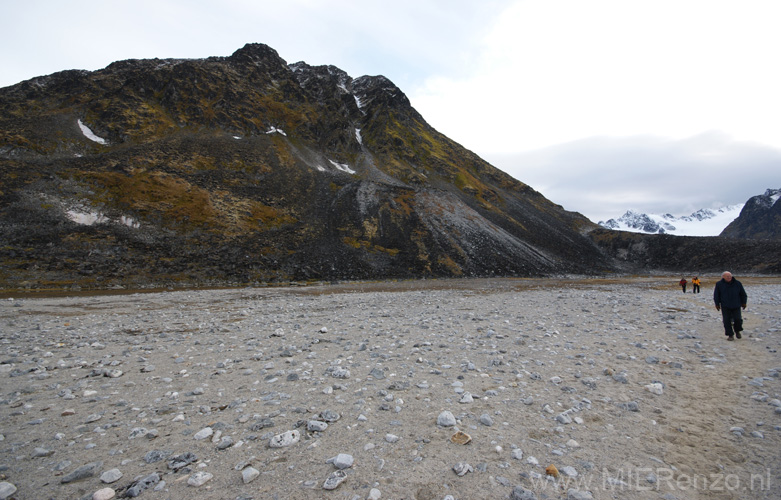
605,105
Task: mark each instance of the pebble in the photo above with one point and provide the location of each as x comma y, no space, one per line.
6,490
486,420
285,439
462,468
461,437
446,419
341,461
203,433
104,494
316,426
249,474
111,476
334,480
521,493
83,472
142,484
199,478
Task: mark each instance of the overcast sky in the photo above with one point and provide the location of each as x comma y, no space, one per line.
601,105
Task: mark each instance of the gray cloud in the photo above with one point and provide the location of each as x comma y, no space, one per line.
601,177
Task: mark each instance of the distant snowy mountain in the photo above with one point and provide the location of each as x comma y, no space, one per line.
703,222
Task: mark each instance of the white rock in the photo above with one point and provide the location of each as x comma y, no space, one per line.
655,388
374,494
249,474
446,419
569,471
111,476
200,478
203,433
341,461
6,490
104,494
288,438
316,426
334,480
466,398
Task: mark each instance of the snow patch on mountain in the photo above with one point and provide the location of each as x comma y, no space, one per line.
89,134
703,222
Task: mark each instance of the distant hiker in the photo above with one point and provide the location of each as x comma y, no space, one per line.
730,297
696,285
683,284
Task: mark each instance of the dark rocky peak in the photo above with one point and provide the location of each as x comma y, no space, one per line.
379,90
318,75
258,54
325,83
69,80
759,219
766,200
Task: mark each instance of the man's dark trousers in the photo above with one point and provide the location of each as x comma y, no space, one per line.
730,315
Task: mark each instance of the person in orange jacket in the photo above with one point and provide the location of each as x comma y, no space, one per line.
696,285
683,284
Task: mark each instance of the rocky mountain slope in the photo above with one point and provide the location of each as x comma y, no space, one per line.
245,170
760,218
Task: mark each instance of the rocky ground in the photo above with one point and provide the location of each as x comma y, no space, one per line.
425,390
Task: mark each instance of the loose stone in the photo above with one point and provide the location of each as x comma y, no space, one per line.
334,479
104,494
111,476
285,439
316,426
341,461
486,419
225,443
446,419
142,484
203,433
462,468
83,472
180,461
461,438
200,478
6,490
521,493
249,474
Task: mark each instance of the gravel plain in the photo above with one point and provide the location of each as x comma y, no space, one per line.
441,389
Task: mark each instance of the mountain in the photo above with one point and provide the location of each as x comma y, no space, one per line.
760,218
245,170
703,222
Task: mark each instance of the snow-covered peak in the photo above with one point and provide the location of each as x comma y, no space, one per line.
703,222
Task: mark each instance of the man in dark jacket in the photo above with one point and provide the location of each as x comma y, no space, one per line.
730,297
